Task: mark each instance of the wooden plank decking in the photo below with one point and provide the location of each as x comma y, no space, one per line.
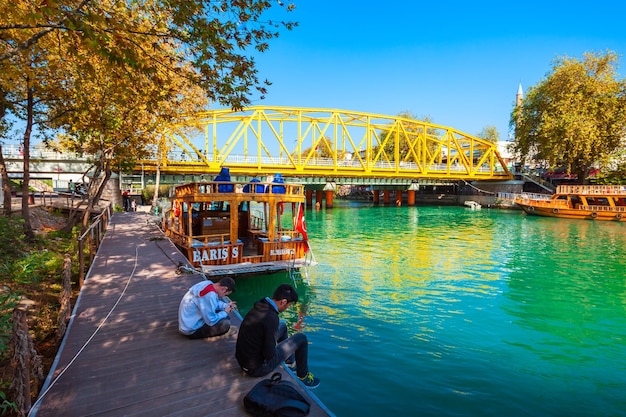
122,354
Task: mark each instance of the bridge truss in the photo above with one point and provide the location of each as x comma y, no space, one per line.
314,142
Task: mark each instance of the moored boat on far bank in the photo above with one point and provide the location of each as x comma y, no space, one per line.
592,202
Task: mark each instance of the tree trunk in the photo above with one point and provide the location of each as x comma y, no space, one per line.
28,229
582,175
157,182
94,193
6,185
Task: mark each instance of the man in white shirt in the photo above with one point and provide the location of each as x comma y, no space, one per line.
204,310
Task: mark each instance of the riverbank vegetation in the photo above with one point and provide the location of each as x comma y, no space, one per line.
31,272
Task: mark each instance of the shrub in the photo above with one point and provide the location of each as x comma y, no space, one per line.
148,192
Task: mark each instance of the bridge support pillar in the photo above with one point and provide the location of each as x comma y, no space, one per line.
309,197
386,197
318,198
398,198
376,196
411,197
329,198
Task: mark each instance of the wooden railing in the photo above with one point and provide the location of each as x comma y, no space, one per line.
217,187
617,209
188,240
92,238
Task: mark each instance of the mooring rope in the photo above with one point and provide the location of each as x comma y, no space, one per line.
478,189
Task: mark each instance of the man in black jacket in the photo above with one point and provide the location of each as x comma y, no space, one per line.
262,343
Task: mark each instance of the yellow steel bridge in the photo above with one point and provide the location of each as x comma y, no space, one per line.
327,143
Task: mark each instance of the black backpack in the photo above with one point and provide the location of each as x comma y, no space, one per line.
275,398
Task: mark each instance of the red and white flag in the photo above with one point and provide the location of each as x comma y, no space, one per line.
300,223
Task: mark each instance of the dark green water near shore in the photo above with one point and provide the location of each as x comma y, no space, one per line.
445,311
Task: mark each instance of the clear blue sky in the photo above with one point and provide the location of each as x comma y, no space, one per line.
458,62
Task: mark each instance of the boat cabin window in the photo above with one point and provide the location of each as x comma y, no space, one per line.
603,201
219,206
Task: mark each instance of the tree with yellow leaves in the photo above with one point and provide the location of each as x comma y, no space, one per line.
109,74
575,117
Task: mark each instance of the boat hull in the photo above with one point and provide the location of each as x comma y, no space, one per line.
568,213
580,202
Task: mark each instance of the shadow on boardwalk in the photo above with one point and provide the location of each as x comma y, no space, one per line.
122,354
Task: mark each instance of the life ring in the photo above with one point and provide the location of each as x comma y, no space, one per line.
594,215
618,216
531,208
555,211
176,209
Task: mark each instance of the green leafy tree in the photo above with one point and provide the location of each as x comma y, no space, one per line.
213,37
406,139
489,133
613,169
575,117
109,75
322,149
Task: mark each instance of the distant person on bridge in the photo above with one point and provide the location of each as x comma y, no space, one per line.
262,343
72,187
203,312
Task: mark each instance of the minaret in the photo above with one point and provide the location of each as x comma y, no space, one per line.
518,102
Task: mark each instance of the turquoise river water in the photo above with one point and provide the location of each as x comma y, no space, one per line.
446,311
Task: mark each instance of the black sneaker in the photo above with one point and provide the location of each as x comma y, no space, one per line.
310,381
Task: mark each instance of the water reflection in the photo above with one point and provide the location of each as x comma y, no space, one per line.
473,312
572,284
396,256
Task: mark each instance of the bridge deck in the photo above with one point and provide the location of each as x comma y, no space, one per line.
122,354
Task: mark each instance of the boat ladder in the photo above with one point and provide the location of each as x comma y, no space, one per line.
301,273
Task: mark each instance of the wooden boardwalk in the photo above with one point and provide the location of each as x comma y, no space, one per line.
122,354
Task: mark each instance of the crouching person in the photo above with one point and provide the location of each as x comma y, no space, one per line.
203,311
262,342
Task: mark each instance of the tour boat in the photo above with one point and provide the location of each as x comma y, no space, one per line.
239,228
594,202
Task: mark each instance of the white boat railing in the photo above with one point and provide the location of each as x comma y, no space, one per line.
592,189
523,196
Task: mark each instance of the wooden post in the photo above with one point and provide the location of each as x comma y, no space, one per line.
81,263
23,346
64,298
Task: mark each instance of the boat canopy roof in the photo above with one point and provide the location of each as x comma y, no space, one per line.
236,192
